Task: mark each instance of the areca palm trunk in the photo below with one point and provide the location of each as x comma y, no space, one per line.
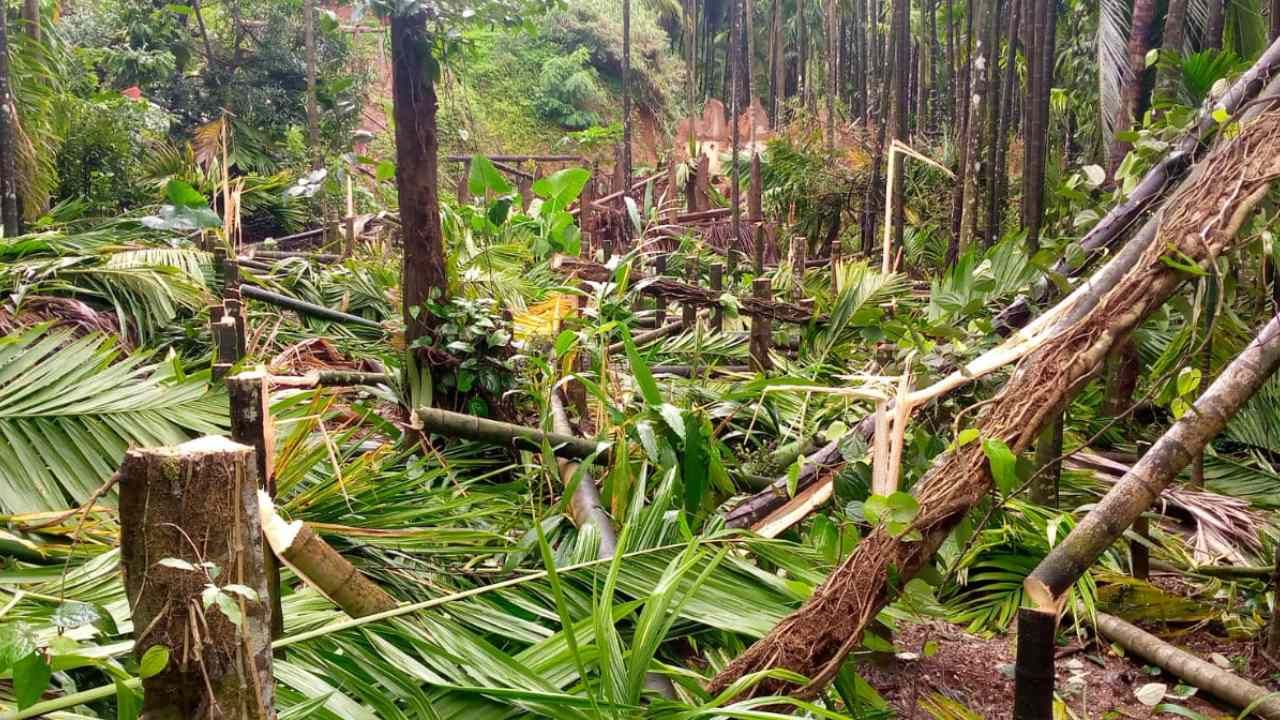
8,164
1174,37
414,98
1000,188
1214,24
1042,31
1133,94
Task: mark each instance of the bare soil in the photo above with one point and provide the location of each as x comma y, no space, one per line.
977,673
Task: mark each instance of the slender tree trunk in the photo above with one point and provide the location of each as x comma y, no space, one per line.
901,29
802,52
949,87
1174,37
977,112
1000,191
31,17
777,77
414,98
8,163
313,113
1037,131
1048,465
1213,25
735,194
1274,17
626,96
749,61
830,16
1133,94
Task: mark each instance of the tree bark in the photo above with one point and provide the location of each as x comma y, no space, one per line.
181,507
1169,77
31,16
814,640
901,107
1214,24
626,100
1037,129
424,278
830,17
977,109
1133,94
1048,466
313,113
8,162
1000,171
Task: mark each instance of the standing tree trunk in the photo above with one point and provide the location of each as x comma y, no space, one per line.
900,28
1213,25
8,163
1274,13
626,101
313,114
977,109
414,96
1041,55
749,63
1174,37
735,194
193,504
831,74
1133,94
31,16
1000,189
777,68
802,53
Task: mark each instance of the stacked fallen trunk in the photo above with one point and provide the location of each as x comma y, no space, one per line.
1199,224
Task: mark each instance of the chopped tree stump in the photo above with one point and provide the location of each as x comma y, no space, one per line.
184,511
761,327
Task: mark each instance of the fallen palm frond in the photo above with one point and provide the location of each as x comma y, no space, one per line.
70,407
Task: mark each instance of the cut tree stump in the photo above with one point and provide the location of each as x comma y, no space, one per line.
183,511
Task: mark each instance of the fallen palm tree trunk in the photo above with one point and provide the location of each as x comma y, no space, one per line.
646,338
1155,185
1204,675
495,432
330,378
683,292
305,308
1224,572
585,507
1199,224
762,504
316,562
697,370
290,254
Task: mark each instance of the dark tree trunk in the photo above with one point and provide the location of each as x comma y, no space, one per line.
626,96
802,53
1000,191
901,29
1274,17
414,96
777,77
31,17
978,101
8,163
1133,94
313,114
1037,130
830,18
1213,25
1174,37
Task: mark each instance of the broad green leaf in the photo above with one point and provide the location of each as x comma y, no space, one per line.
643,376
153,661
30,679
485,177
1003,464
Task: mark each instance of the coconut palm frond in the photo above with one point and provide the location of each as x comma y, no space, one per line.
69,408
1113,59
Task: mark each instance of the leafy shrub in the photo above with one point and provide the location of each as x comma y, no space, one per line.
567,90
98,162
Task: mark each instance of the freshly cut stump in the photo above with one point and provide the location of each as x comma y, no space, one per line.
189,520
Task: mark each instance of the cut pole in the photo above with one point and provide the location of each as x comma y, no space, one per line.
755,194
1139,553
225,354
322,567
183,511
1034,673
464,182
660,300
494,432
646,338
1205,675
350,247
688,310
585,506
717,287
1273,632
235,310
251,425
761,328
305,308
